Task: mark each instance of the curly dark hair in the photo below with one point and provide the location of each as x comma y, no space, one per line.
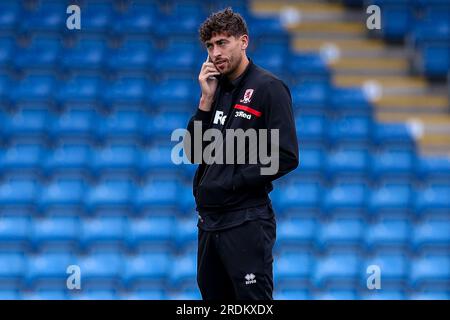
224,21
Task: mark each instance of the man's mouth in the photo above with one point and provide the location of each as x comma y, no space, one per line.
221,64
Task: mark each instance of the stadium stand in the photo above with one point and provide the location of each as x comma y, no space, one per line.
86,176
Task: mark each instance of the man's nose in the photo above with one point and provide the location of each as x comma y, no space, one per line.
216,54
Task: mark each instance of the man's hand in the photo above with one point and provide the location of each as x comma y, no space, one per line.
208,84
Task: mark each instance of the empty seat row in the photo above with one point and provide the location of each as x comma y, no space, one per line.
159,232
122,193
348,197
153,270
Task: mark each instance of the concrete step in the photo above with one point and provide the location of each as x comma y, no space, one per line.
414,83
413,103
379,64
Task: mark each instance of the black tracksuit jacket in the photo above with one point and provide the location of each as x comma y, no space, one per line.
230,187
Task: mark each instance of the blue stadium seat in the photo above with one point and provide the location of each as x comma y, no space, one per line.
148,294
51,232
101,270
310,95
121,125
388,234
147,270
311,128
397,21
298,195
183,269
352,162
97,16
174,94
84,89
46,17
75,123
18,193
132,55
186,201
66,159
6,83
336,295
156,194
383,295
306,64
312,160
156,158
430,295
344,197
9,15
394,268
20,158
434,26
435,59
14,232
41,53
178,58
85,54
94,294
267,29
273,60
7,48
12,270
351,100
292,294
296,232
62,194
126,90
349,129
34,88
109,194
435,198
395,163
340,234
28,123
139,18
45,295
103,232
181,23
432,234
431,271
433,168
185,294
392,134
341,268
391,197
186,233
164,123
293,268
49,269
115,159
154,232
10,295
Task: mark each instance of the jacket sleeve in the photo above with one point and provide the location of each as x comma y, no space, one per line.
278,115
203,118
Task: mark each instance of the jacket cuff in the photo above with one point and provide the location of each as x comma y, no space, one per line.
203,115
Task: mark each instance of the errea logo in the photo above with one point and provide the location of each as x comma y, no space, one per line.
250,279
242,114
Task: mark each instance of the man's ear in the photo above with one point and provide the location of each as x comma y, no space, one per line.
244,42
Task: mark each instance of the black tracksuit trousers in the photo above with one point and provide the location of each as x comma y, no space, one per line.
236,263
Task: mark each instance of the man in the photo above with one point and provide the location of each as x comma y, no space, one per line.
236,224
